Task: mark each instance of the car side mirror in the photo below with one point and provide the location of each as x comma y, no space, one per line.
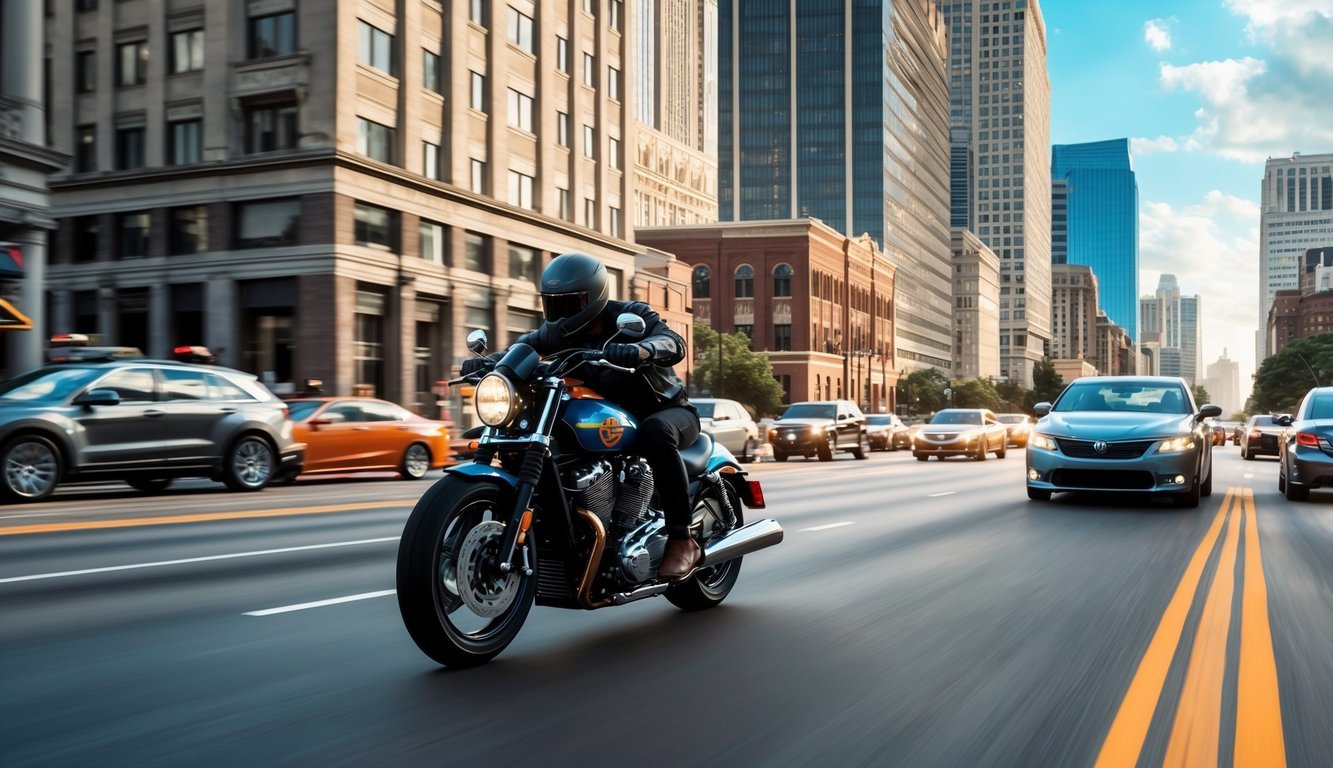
1210,411
94,397
631,325
477,342
1041,409
1282,419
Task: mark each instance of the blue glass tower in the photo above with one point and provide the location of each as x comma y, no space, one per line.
1095,221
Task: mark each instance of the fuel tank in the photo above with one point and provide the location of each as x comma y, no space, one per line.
599,426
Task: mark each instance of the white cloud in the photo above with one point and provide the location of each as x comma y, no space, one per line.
1141,146
1212,247
1267,12
1157,34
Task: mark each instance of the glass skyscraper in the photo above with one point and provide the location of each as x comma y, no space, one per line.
1095,222
839,110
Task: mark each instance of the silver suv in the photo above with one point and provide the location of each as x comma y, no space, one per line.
144,422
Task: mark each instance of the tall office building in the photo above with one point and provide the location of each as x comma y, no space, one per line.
1170,325
1223,384
1000,127
1075,298
976,307
675,108
1296,214
839,111
333,190
1095,221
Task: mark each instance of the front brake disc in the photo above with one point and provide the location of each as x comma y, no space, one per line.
486,590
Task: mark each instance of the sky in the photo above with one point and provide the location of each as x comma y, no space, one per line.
1205,90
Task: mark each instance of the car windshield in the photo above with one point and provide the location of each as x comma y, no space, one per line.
957,417
301,409
1133,397
879,420
811,411
47,383
1011,418
705,410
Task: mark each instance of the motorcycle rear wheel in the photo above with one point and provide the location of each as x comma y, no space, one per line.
708,587
430,586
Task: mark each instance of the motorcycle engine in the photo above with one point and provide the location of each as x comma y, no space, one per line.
636,531
593,488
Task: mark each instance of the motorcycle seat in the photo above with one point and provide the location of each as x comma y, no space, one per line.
696,454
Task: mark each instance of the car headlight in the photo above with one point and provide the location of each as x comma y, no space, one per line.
1176,444
1043,442
496,400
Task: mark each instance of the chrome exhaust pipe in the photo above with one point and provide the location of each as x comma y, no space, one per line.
750,537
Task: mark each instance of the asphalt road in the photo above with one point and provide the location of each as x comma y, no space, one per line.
916,615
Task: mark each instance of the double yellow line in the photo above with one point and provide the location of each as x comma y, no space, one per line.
1195,732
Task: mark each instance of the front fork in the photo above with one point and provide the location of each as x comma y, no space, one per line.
535,455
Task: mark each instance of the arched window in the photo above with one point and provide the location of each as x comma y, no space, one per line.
700,282
782,280
744,281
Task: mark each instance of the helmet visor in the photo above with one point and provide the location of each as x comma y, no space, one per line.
560,306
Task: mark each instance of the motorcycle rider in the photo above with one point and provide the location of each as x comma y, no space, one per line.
579,314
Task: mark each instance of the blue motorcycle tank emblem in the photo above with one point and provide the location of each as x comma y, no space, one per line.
599,426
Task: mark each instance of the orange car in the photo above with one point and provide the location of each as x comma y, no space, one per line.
352,434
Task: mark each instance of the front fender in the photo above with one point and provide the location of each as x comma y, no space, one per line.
475,472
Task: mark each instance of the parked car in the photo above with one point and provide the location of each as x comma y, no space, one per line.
819,428
1305,446
142,421
1261,437
887,432
729,424
971,432
1121,433
363,434
1017,426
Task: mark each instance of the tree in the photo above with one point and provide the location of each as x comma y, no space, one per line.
1046,383
1284,378
923,390
747,376
1201,396
1013,398
976,393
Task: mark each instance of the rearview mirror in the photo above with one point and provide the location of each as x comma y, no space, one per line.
98,397
1210,411
477,342
631,325
1041,409
1282,419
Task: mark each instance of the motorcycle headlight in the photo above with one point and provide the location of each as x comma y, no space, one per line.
1041,441
496,400
1176,444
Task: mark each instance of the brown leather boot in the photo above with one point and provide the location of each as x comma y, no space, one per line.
681,557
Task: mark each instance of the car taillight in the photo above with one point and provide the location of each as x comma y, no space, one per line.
1305,438
1255,434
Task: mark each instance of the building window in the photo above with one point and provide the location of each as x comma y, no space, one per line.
186,141
134,233
85,5
273,35
562,202
129,148
270,128
699,282
523,264
613,152
430,160
432,242
478,176
476,12
613,83
589,69
132,63
187,51
562,55
87,235
476,252
589,141
614,21
520,189
782,280
614,214
562,129
368,346
590,7
520,110
478,95
267,223
374,226
85,66
520,30
189,230
590,213
782,337
374,140
744,281
85,159
374,47
430,68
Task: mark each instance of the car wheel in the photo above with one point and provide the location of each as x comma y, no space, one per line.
779,456
416,462
1004,451
1039,494
862,449
1281,479
1206,489
825,450
1244,454
249,464
1189,499
149,484
1296,492
32,468
921,457
981,451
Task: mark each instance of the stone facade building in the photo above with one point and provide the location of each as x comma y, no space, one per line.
976,307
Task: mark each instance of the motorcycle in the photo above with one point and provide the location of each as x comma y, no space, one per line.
556,509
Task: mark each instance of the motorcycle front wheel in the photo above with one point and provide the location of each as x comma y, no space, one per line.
708,587
459,608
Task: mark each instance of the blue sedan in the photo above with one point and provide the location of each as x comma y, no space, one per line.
1141,434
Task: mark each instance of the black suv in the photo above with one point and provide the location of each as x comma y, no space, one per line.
144,422
820,428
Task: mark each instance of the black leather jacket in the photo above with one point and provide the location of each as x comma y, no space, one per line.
653,387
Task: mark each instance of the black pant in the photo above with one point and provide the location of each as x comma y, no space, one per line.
661,436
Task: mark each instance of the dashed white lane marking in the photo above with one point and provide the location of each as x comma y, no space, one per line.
941,493
826,527
187,560
32,514
322,603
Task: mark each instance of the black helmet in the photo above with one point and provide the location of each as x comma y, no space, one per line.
574,291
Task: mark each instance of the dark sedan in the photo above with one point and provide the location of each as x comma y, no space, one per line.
1260,438
1305,446
141,421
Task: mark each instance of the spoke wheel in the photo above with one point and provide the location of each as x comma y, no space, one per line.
416,461
32,468
708,587
249,465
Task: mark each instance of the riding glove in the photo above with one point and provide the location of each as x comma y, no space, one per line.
624,355
477,365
